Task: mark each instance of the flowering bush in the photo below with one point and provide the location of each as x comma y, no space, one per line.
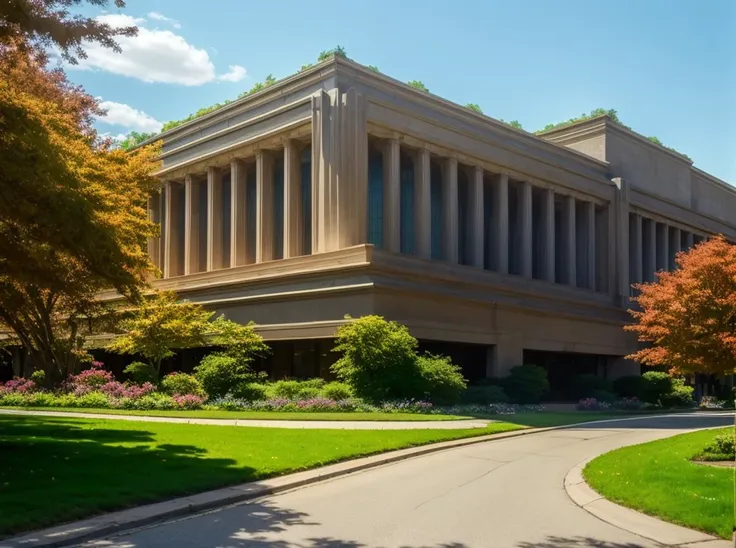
628,404
711,402
89,379
592,404
117,389
188,401
406,406
18,386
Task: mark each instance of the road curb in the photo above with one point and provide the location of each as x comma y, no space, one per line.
115,522
667,534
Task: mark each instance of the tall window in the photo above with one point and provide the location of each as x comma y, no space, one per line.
278,208
436,210
306,190
463,232
407,205
375,198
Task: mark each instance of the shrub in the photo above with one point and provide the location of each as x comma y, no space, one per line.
681,395
39,377
155,401
13,399
526,384
92,378
92,399
337,391
584,386
442,380
249,391
188,401
721,448
656,385
18,386
140,372
179,384
630,386
592,404
219,374
295,390
603,395
117,389
484,395
628,404
378,359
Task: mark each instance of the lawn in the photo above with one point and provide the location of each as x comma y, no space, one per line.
60,469
658,478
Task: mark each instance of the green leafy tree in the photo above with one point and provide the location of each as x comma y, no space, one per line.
374,68
338,51
513,123
473,106
416,84
134,138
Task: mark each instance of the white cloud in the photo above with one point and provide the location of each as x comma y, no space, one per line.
235,74
156,16
120,114
154,55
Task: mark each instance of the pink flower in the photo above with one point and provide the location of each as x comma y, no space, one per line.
18,386
188,401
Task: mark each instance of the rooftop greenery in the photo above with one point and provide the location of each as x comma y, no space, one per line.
134,138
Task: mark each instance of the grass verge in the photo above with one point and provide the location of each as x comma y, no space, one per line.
60,469
659,479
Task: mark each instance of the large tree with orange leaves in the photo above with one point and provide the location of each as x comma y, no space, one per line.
688,316
73,217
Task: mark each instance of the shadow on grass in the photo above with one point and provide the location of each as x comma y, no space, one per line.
53,471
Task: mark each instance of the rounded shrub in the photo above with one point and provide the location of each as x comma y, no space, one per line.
180,384
140,372
250,391
526,384
294,390
219,373
680,395
603,396
630,386
39,377
484,395
583,386
337,391
656,385
443,381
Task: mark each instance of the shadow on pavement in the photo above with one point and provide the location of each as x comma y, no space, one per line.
576,542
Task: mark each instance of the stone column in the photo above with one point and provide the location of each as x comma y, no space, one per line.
650,250
293,218
392,196
501,223
675,247
569,243
635,248
449,213
689,240
548,235
662,235
476,220
238,214
214,218
154,215
507,353
192,220
339,170
590,221
525,218
172,248
618,243
423,204
264,207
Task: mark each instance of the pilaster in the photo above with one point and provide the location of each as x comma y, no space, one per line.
293,218
214,218
569,244
173,213
548,235
423,204
450,210
590,222
635,249
476,211
238,214
500,233
192,220
392,196
525,218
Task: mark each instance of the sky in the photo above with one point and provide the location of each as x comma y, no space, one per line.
667,66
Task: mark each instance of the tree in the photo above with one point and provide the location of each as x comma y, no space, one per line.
73,211
338,51
374,68
513,123
48,23
163,324
473,106
688,316
416,84
134,138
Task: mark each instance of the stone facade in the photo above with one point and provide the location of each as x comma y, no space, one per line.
342,191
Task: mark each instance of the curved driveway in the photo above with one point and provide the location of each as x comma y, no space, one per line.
506,493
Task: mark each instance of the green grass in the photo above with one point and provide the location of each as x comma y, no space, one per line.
658,478
60,469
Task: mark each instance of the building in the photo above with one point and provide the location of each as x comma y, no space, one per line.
342,191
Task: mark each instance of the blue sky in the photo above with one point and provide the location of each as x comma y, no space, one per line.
667,66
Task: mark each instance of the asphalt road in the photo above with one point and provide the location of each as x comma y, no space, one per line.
507,493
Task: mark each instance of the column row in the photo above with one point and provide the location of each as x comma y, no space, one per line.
654,245
436,208
257,210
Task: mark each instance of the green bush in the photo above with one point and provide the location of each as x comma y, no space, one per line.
155,401
441,379
583,386
630,386
721,448
484,395
250,391
337,391
603,396
681,395
39,377
140,372
181,384
219,374
92,399
656,385
295,390
526,384
378,360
